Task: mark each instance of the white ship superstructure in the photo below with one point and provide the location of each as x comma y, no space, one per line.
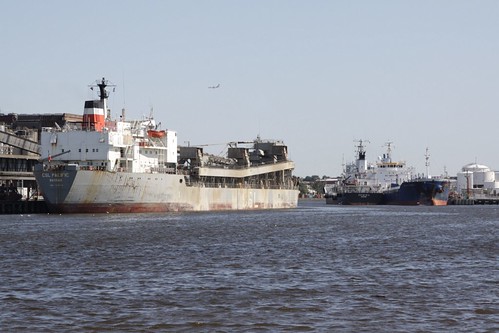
378,176
364,183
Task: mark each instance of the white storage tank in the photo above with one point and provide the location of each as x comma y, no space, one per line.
492,186
489,176
474,167
478,178
171,137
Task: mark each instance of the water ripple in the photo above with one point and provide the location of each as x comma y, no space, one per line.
315,268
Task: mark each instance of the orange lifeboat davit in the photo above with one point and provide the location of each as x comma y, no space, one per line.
156,133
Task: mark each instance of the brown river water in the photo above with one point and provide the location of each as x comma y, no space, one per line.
317,268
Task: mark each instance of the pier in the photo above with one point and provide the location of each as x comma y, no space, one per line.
23,207
475,201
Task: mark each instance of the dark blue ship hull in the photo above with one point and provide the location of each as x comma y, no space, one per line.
361,198
429,192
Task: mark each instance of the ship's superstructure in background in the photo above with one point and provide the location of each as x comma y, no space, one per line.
104,165
386,182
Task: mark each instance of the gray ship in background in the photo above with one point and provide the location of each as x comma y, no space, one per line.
121,166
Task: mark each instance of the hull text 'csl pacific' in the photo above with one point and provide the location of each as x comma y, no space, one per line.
120,166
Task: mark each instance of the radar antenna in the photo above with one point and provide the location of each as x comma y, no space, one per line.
102,84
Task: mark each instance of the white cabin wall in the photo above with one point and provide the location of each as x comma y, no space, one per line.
76,146
171,142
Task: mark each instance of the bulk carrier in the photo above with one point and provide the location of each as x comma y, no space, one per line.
121,166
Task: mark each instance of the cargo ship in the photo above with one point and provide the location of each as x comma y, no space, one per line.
387,182
364,183
122,166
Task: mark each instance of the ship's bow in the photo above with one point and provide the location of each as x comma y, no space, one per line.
54,182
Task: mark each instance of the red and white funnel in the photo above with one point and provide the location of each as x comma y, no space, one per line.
94,114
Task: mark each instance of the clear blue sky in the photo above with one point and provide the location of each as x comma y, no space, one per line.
316,74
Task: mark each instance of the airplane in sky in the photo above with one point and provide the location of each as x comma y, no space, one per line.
214,87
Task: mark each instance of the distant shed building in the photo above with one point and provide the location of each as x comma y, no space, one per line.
16,122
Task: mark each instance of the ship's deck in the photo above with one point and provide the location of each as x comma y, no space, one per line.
243,172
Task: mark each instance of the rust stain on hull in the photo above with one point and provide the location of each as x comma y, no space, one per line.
97,192
117,208
91,208
437,202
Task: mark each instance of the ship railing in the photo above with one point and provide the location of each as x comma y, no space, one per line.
93,168
239,167
163,170
244,186
53,167
359,188
171,171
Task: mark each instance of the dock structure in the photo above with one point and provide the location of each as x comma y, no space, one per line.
19,153
23,207
474,201
15,141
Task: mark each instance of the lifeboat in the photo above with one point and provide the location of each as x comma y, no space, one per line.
156,133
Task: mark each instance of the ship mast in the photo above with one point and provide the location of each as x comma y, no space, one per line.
95,112
361,157
427,163
388,157
102,89
103,93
